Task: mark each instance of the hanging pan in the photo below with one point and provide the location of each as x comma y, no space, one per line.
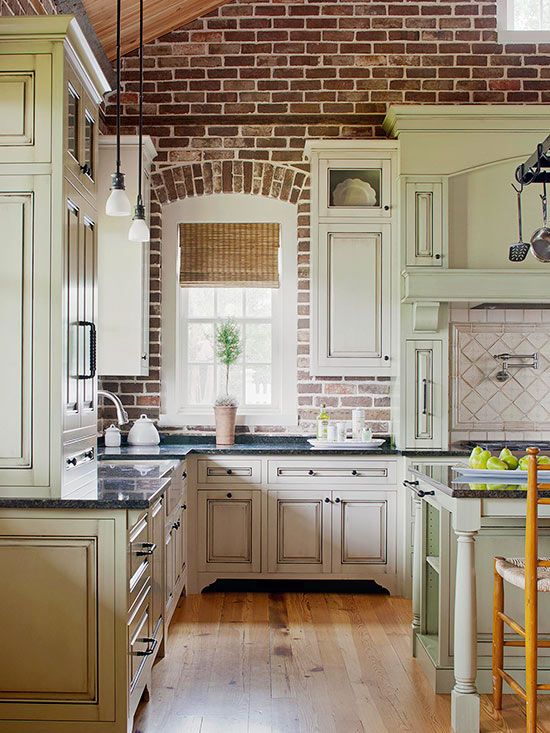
540,241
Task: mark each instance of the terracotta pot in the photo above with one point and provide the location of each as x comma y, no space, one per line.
225,424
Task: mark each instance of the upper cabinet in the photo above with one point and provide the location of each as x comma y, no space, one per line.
425,221
50,90
123,347
353,197
25,91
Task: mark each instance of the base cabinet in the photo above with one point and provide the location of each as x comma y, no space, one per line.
229,530
298,531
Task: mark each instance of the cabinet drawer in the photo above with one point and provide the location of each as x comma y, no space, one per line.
332,471
229,472
139,547
140,643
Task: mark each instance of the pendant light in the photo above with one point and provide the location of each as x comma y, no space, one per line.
139,231
118,203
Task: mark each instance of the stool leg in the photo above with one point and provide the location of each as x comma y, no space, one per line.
531,663
498,639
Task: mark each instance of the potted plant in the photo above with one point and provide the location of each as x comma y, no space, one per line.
228,350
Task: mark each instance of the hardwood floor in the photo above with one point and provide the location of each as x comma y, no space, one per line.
300,663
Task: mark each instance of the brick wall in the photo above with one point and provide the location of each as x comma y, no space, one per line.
231,97
27,7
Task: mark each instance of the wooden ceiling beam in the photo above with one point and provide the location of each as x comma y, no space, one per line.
160,17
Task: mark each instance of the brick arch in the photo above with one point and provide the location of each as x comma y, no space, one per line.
261,178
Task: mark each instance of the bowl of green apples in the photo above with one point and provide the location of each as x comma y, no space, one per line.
483,463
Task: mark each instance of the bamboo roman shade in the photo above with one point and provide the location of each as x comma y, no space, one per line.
229,255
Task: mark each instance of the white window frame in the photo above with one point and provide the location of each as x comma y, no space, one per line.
506,34
230,208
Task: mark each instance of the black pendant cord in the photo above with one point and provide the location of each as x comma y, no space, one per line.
118,23
140,140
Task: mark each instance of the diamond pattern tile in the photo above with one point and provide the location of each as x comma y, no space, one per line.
480,402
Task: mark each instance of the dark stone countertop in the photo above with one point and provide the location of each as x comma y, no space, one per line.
115,489
452,483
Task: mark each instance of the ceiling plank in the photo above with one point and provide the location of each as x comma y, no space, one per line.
160,17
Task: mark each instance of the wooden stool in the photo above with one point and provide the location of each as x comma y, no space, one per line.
532,575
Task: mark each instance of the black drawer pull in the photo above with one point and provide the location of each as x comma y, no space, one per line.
89,454
419,492
152,645
184,507
229,472
184,474
355,473
311,472
229,495
149,549
71,461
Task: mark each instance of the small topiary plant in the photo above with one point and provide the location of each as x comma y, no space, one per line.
228,350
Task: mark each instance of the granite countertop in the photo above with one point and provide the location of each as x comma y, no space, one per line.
452,483
263,445
115,489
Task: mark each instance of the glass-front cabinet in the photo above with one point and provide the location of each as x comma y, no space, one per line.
81,134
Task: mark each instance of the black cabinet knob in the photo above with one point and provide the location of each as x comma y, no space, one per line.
311,472
337,500
184,474
437,257
229,495
327,500
386,358
354,473
386,208
184,507
229,472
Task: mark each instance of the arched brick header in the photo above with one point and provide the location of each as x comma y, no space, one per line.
229,176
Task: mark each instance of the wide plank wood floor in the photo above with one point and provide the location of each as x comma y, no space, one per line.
300,663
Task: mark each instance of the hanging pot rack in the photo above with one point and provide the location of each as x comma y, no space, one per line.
535,168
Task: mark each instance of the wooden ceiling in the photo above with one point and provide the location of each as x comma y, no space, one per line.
160,17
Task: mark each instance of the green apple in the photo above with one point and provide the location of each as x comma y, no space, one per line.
509,458
543,460
478,487
496,487
523,463
495,464
474,455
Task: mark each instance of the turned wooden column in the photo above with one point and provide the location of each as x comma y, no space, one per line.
464,697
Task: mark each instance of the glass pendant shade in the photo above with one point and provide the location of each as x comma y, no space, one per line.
139,231
118,203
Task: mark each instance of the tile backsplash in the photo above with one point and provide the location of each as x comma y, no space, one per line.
482,407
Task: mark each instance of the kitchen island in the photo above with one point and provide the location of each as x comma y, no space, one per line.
459,527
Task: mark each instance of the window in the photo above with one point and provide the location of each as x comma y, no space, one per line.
253,380
265,378
523,21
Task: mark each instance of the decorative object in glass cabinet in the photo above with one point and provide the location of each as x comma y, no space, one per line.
355,187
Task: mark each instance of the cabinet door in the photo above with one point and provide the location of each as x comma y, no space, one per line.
25,331
87,296
363,532
424,409
352,300
89,152
299,525
424,223
229,530
157,524
79,316
25,108
74,105
170,564
357,187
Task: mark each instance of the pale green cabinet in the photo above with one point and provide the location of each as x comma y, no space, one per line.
424,408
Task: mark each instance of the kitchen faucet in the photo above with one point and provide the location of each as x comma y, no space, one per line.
121,414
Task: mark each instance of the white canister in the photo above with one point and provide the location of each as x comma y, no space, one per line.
332,435
112,437
143,432
340,431
357,423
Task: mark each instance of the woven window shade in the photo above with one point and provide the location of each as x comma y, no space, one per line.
229,255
